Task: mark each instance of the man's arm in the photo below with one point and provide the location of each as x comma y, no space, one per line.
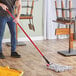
18,7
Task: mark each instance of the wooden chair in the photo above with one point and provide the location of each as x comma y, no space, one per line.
27,16
66,31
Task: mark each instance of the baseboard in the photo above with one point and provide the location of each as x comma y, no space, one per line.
25,39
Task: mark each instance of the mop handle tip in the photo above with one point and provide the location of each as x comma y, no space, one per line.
47,65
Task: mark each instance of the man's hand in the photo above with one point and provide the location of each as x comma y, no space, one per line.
3,6
16,20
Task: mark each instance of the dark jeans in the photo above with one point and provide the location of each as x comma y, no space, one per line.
12,28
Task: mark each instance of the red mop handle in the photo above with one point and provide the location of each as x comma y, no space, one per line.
28,37
25,33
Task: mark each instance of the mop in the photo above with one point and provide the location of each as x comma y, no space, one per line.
58,67
51,66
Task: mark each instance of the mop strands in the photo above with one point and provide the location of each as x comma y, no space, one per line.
58,67
54,67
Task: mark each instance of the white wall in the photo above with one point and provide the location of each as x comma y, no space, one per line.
50,17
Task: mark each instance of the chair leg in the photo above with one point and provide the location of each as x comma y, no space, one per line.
31,25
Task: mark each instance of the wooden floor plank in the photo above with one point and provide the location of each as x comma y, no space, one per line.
32,62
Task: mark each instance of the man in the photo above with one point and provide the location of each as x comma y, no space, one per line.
6,18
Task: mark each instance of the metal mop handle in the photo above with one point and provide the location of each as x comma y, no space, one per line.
29,38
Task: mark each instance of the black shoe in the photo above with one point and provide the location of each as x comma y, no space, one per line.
15,55
2,56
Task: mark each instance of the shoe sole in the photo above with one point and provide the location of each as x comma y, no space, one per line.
15,57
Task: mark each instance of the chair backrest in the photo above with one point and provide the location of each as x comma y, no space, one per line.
62,9
28,7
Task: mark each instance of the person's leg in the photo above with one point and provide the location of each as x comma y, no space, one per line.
12,27
2,28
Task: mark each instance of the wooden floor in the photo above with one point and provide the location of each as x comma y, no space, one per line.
32,63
